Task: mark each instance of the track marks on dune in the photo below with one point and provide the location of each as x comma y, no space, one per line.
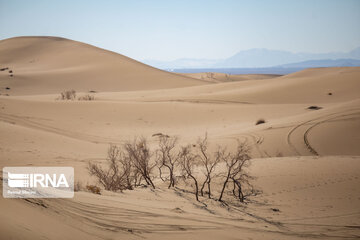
336,118
201,101
27,122
312,123
112,215
254,140
125,218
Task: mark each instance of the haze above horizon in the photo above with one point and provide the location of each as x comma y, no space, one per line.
168,30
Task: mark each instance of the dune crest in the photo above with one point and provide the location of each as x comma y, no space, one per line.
43,65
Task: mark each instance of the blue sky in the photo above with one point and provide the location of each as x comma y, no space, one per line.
167,30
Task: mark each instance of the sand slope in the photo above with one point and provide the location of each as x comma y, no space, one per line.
313,203
43,65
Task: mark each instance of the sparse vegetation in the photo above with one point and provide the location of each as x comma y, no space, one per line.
188,163
260,121
166,156
314,108
116,176
87,97
71,95
208,163
68,95
139,155
236,164
93,189
78,186
131,165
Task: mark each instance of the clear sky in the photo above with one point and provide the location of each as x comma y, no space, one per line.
167,30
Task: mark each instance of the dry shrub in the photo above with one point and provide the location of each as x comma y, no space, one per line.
93,189
131,164
260,121
314,107
188,161
208,163
78,186
237,163
139,154
167,157
68,95
121,171
87,97
112,177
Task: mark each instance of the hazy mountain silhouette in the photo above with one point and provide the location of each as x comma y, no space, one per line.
262,58
323,63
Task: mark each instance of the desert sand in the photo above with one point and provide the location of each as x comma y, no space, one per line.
306,160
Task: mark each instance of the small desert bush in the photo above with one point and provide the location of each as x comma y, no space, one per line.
68,95
260,121
87,97
78,186
93,189
314,107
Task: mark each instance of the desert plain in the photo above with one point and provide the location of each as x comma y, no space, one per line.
305,157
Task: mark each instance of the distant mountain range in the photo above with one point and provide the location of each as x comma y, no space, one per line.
264,58
324,63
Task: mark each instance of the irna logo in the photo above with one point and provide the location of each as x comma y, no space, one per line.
38,182
35,180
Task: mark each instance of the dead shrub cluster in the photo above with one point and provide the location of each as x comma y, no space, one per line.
93,189
133,164
87,97
68,95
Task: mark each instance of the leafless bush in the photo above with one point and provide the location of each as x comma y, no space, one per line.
132,163
208,163
236,170
167,157
139,155
87,97
113,178
188,162
68,95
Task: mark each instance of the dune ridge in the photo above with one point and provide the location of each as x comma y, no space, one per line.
43,65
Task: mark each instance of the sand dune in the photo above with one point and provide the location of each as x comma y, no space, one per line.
306,160
43,65
307,86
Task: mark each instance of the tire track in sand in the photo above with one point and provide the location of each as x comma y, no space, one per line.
309,122
306,140
22,121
